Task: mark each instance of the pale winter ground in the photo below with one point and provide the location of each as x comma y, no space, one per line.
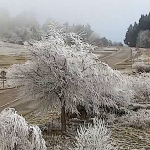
11,54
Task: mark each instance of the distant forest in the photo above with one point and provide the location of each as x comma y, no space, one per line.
138,35
25,27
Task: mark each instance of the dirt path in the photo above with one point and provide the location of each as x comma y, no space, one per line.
117,57
8,98
120,59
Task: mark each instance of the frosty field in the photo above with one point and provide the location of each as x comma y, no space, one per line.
126,137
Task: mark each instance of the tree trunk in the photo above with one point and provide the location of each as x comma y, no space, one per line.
15,147
63,117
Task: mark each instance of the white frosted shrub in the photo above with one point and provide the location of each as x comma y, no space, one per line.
94,137
140,85
142,67
141,118
16,134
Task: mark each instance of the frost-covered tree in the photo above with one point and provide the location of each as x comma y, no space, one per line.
63,76
104,41
94,137
23,27
16,134
93,37
143,39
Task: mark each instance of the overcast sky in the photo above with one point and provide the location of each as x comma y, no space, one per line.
109,18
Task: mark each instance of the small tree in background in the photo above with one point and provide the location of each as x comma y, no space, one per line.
63,76
104,42
143,39
16,134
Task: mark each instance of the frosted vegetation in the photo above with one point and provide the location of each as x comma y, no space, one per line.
142,67
20,28
143,39
94,137
139,119
141,86
16,134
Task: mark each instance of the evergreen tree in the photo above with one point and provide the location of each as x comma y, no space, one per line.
132,34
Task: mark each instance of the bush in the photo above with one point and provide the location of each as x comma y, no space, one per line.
16,40
141,118
140,86
141,67
93,137
16,134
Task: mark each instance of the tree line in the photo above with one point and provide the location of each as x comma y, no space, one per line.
25,27
138,35
20,28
